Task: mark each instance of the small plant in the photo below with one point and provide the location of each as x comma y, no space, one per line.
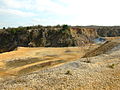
111,66
87,61
68,72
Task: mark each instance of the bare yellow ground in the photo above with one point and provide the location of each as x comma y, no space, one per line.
1,64
51,57
21,52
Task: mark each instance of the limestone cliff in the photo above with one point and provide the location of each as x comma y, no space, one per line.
51,36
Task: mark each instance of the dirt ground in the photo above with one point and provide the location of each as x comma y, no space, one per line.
60,69
11,63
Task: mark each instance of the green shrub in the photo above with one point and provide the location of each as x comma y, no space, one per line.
111,66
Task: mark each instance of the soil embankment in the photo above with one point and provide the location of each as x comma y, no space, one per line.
107,46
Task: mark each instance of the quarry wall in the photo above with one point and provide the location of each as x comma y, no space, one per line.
51,37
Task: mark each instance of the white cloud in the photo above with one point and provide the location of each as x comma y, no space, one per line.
16,12
75,12
44,21
36,5
12,3
26,4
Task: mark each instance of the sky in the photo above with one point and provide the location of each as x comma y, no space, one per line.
14,13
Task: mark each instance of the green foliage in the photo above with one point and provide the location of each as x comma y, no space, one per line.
58,26
111,66
64,27
39,26
13,31
19,30
3,27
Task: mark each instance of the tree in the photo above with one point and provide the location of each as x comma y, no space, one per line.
3,27
65,27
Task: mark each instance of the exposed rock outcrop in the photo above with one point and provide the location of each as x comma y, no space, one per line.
56,36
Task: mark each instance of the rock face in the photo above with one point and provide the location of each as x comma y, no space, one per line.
9,40
61,36
83,35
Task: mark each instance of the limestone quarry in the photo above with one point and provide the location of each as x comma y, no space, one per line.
59,58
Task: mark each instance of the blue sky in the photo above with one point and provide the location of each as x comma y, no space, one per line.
14,13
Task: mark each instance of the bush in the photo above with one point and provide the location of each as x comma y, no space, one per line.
65,27
111,66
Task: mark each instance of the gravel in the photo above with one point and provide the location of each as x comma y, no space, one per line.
82,76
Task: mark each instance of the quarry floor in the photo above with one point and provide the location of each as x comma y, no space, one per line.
11,63
59,69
